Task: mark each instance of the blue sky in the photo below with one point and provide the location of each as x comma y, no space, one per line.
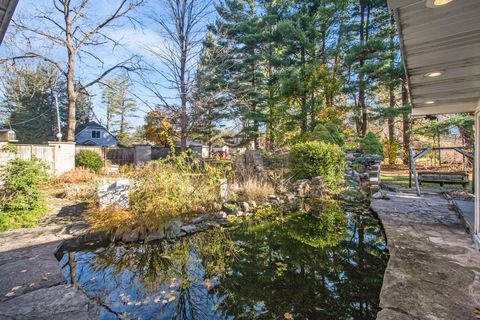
135,38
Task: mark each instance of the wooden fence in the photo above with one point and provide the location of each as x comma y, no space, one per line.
114,155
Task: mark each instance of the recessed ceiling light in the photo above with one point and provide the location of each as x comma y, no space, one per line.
434,74
429,102
438,3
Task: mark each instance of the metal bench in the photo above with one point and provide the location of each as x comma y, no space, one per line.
443,178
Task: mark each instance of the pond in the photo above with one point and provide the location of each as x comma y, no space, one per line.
324,264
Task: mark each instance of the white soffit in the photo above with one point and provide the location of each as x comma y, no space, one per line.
445,39
7,7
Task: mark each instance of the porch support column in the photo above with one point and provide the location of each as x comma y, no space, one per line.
476,235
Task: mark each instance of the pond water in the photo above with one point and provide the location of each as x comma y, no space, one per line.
324,264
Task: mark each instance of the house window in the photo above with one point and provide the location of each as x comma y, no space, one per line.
95,134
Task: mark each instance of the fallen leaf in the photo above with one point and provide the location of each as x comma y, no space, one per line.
68,286
288,316
23,271
16,288
10,294
171,299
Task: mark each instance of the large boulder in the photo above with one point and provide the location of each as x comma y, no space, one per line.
114,194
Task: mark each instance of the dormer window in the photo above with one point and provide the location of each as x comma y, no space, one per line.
95,134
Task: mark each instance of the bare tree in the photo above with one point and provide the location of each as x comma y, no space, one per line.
74,26
183,28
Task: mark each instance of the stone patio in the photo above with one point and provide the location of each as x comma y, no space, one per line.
31,282
434,268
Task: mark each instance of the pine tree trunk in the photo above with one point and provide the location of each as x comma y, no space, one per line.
406,124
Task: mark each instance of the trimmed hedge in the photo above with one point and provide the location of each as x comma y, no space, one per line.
89,160
316,158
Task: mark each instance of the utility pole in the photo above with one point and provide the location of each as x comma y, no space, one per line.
59,128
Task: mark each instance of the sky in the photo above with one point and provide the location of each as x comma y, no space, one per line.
135,38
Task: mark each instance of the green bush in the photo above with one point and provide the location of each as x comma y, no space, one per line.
371,144
89,159
328,133
315,158
21,188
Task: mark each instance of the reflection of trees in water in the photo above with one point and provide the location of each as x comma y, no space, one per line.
314,266
321,265
147,270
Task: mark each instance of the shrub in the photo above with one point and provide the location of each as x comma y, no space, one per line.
89,160
371,144
311,159
392,147
22,180
328,133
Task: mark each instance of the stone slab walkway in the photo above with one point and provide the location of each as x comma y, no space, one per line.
31,282
434,268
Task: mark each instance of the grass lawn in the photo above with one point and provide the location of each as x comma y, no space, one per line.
398,175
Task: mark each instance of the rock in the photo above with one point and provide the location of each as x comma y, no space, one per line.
114,194
380,195
240,213
214,224
377,195
118,235
253,204
130,236
77,228
189,228
198,220
175,228
221,215
156,235
317,188
245,206
301,188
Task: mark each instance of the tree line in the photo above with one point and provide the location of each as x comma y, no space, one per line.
278,72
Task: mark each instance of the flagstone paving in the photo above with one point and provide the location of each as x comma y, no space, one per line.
31,282
434,267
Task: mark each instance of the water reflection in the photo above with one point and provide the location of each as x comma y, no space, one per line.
324,264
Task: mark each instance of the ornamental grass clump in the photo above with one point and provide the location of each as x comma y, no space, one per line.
253,189
163,190
316,158
174,187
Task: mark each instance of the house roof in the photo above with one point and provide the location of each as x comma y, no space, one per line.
92,125
444,39
7,7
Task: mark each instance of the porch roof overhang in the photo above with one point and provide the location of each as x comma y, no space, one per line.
443,39
7,7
